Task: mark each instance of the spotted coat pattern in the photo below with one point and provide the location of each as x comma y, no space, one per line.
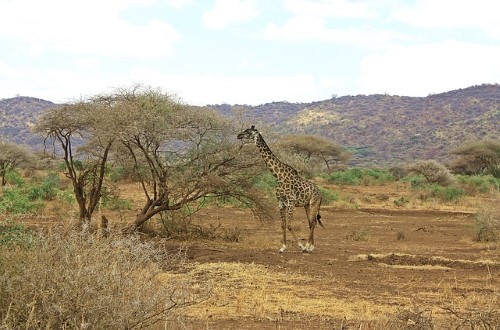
292,191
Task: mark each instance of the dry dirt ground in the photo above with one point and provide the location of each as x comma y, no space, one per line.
372,268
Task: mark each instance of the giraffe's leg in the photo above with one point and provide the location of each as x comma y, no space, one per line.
283,227
289,215
308,215
310,243
312,215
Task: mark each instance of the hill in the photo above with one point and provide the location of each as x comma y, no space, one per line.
381,130
17,117
388,130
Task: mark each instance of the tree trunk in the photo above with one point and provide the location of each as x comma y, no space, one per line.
140,219
84,216
149,210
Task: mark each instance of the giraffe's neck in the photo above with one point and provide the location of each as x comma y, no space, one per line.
279,169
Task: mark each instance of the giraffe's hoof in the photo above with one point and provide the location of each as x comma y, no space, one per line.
282,249
307,249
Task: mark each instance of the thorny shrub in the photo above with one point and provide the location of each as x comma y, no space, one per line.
486,225
433,172
414,319
73,279
181,227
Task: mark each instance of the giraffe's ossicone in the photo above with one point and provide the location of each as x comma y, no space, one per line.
292,191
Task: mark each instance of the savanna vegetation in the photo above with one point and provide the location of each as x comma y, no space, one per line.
100,235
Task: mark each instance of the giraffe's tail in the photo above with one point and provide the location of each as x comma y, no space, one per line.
318,219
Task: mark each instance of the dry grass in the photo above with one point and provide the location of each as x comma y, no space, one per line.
73,279
259,292
279,297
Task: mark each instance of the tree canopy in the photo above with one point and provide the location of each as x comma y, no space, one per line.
313,148
179,154
80,134
433,172
12,155
478,157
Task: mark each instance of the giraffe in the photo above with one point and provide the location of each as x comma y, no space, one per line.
292,191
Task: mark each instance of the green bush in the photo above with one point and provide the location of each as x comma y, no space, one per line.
416,181
379,176
474,184
357,176
115,203
28,197
118,174
12,234
17,201
350,177
493,182
14,178
329,196
265,181
447,194
47,190
427,190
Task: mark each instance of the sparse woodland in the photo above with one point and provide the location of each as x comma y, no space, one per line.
100,224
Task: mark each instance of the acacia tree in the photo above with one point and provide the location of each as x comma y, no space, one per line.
78,133
311,148
478,157
12,155
180,154
432,171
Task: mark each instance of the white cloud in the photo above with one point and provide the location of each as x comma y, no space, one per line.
87,62
313,21
95,32
211,89
330,8
298,29
52,85
86,28
227,12
178,3
48,84
431,68
311,28
478,14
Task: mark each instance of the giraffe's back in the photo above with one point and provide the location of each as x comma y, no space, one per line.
302,191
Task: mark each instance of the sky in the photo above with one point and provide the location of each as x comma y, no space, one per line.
247,51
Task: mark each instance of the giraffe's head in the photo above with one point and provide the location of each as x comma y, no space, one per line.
248,134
